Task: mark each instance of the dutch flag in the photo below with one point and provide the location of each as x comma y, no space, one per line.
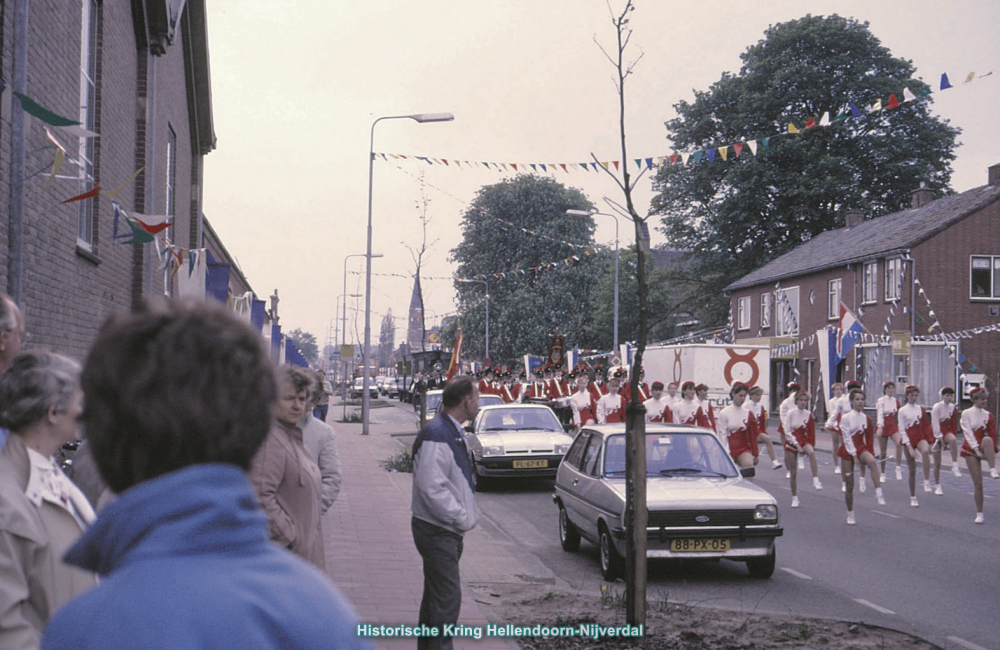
849,330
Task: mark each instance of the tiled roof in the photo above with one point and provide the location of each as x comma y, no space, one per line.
871,238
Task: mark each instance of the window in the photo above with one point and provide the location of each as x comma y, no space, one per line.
86,210
833,299
893,278
765,309
171,193
870,288
787,316
743,313
984,277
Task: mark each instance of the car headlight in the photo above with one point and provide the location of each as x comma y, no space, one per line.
766,514
491,445
561,449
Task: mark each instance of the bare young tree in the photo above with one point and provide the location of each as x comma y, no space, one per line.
635,420
418,252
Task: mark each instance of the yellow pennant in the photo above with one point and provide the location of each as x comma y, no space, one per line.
60,159
877,106
971,77
724,152
791,128
114,194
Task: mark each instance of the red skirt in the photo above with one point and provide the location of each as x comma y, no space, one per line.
967,451
859,445
890,426
738,444
917,433
801,436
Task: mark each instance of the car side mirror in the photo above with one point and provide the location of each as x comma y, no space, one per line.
748,472
469,428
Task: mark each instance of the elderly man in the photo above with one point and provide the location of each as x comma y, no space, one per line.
320,442
11,336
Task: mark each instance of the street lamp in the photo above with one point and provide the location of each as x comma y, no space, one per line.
420,118
485,284
343,322
590,213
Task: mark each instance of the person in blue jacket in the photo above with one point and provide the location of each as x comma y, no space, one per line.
178,398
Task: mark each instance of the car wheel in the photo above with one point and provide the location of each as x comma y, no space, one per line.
612,564
569,536
762,568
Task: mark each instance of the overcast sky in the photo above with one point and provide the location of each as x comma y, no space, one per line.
296,85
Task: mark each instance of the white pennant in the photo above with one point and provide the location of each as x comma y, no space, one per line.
753,146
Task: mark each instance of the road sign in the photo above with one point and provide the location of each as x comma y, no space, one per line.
347,351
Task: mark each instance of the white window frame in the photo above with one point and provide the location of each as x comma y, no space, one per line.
993,262
171,200
743,313
834,288
787,311
766,304
869,283
893,278
85,209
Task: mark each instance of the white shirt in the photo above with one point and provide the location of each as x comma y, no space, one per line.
941,412
884,406
909,414
838,406
607,404
656,407
973,419
579,402
852,423
786,407
731,419
686,411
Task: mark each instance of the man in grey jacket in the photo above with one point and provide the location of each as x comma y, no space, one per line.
321,443
444,506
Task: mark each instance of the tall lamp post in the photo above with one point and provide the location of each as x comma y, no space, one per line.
420,118
590,213
485,284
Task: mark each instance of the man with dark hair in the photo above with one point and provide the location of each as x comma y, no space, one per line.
179,398
11,336
444,505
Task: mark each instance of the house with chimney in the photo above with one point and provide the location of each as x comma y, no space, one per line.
924,282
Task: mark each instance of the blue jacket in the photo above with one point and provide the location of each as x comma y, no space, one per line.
186,563
442,477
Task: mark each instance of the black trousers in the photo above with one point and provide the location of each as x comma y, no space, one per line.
441,550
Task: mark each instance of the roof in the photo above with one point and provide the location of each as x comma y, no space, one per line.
871,238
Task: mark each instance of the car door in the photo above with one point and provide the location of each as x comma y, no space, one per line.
590,487
568,476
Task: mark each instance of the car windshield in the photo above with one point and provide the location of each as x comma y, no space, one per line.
486,400
518,417
433,401
673,454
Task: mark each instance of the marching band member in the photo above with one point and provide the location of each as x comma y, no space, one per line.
486,386
858,442
786,407
687,410
594,387
611,407
800,438
887,426
980,431
839,404
552,386
912,420
506,393
536,389
582,403
701,395
738,427
672,395
644,393
658,407
759,416
944,424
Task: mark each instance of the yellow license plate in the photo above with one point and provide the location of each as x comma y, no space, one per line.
699,545
527,464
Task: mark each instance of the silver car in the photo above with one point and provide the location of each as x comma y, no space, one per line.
516,440
433,402
699,503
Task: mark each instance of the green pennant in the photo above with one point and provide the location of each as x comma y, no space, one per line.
37,110
533,168
697,156
766,143
638,163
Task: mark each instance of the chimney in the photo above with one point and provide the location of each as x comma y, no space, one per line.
853,218
922,195
994,174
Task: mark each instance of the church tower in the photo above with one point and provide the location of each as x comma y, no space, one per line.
415,330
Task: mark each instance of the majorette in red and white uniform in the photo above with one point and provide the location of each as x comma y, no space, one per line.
486,386
675,397
786,407
839,406
944,420
859,435
736,426
912,419
688,411
886,409
584,408
758,414
610,408
977,424
658,410
800,425
708,411
515,389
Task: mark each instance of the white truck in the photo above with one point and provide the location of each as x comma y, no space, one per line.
718,366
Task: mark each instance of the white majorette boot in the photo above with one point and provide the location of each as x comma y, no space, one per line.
850,518
795,502
879,497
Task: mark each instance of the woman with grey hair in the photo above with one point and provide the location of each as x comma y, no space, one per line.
41,512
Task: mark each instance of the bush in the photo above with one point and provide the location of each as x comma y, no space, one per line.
400,462
351,418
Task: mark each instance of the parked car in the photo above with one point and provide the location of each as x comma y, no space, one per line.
390,389
434,401
515,440
699,503
358,389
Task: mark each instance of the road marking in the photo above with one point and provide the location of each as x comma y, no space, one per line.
964,643
886,514
795,573
873,606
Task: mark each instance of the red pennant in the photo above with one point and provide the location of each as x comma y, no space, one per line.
89,194
155,228
739,148
563,165
893,103
616,164
444,161
514,165
675,157
810,123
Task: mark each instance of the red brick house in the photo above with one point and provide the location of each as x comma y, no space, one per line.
938,262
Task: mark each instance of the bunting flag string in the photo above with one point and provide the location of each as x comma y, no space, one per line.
406,276
534,270
762,144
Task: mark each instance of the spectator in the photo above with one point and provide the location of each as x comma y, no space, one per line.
322,397
41,512
12,334
321,443
285,476
179,400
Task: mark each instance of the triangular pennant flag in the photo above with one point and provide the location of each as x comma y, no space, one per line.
791,128
673,158
584,166
877,106
605,165
56,165
35,109
638,163
810,123
893,102
544,168
711,155
825,120
89,194
118,190
685,157
986,74
77,131
855,111
970,77
738,147
152,224
563,165
753,146
724,152
533,168
908,95
649,162
945,84
841,116
766,143
616,164
514,165
698,155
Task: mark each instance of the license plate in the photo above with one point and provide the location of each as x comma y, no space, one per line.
527,464
699,545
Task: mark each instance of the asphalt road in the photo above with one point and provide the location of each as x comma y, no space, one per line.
928,571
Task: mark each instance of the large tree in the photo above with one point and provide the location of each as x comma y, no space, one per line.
306,344
524,309
737,215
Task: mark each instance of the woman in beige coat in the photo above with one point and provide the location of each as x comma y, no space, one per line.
41,512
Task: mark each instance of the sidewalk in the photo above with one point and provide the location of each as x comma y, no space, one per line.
370,553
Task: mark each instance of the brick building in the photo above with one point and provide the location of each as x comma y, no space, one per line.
938,262
137,73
